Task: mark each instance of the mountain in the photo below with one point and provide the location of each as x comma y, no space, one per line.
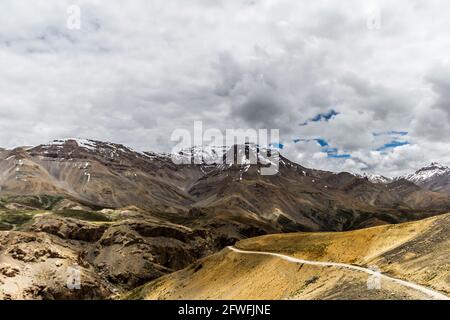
107,175
434,177
375,178
401,251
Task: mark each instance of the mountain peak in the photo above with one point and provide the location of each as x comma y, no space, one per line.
434,167
374,178
428,173
437,165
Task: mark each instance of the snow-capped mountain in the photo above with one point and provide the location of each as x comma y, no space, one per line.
435,177
375,178
240,157
220,154
427,173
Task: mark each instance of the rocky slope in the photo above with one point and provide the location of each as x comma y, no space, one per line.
113,250
402,251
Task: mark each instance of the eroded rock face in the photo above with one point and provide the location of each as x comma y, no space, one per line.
69,229
130,252
40,266
108,257
9,271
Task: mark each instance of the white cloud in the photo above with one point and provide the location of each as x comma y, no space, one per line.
137,70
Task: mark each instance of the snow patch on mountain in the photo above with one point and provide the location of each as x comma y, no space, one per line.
223,155
374,178
427,173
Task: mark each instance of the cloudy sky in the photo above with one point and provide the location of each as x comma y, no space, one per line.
352,85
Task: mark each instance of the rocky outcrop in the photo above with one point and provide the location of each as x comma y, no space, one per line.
67,228
113,255
41,266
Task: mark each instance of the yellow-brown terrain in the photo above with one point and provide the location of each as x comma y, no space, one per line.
418,252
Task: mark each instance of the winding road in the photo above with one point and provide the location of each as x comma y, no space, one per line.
429,292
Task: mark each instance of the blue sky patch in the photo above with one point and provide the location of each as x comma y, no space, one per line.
322,117
325,116
321,142
277,145
393,144
391,133
334,153
339,156
331,152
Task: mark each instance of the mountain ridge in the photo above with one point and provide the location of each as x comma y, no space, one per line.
109,175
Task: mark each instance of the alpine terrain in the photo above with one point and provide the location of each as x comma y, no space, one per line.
115,219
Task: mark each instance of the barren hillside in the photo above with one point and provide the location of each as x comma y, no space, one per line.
418,252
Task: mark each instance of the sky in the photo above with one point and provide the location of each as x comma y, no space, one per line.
360,86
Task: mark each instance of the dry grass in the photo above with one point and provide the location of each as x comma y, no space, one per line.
396,249
358,246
